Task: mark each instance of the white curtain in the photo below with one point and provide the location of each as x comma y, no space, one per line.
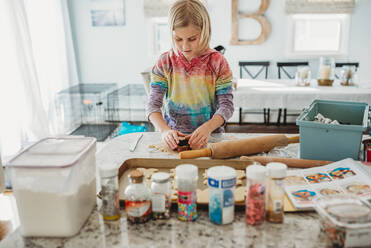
36,62
319,6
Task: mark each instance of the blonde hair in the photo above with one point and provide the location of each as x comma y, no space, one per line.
185,12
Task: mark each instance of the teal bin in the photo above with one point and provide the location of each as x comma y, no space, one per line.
320,141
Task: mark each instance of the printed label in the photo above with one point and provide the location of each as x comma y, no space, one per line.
358,237
158,203
228,198
187,208
215,208
277,206
138,208
213,183
228,183
186,197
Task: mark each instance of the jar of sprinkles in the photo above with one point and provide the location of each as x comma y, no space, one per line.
221,181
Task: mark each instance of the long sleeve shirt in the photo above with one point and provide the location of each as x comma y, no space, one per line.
194,90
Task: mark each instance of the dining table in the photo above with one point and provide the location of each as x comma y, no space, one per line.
284,93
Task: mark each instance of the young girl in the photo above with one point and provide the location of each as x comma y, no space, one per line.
195,80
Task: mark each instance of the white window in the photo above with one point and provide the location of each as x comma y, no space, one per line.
318,34
161,41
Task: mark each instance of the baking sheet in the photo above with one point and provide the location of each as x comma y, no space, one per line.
164,165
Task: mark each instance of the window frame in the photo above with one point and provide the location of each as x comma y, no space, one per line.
344,36
154,42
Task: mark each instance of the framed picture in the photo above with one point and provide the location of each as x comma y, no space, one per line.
107,13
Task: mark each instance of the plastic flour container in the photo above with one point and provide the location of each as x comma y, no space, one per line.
221,181
54,185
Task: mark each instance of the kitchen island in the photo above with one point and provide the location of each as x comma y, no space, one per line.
298,230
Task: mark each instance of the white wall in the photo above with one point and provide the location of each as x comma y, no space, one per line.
119,54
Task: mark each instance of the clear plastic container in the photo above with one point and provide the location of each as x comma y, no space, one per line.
54,185
255,194
275,192
161,195
221,181
186,176
110,193
346,219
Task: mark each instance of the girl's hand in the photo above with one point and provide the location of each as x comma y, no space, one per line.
199,138
171,138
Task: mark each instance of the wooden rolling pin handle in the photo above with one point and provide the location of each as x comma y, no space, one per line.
293,139
206,152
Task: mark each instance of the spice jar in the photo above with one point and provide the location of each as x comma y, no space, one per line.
346,219
221,181
255,194
137,199
110,190
275,192
186,176
161,195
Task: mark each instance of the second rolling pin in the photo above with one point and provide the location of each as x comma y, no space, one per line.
290,162
234,148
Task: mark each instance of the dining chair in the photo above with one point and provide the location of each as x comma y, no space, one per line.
341,64
283,66
261,66
220,49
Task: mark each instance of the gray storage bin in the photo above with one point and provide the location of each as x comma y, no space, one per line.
332,142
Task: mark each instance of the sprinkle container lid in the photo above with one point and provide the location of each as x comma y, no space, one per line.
160,177
221,177
277,170
256,172
186,171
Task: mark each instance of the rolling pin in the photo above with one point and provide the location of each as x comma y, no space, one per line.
234,148
290,162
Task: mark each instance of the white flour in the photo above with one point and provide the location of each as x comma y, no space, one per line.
52,214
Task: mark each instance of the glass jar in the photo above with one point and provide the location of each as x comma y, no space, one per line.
255,194
346,219
347,75
137,199
275,192
326,72
303,76
161,195
221,181
186,176
110,190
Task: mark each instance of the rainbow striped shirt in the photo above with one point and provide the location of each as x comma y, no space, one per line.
194,90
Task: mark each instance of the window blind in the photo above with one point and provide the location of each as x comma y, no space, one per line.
319,6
